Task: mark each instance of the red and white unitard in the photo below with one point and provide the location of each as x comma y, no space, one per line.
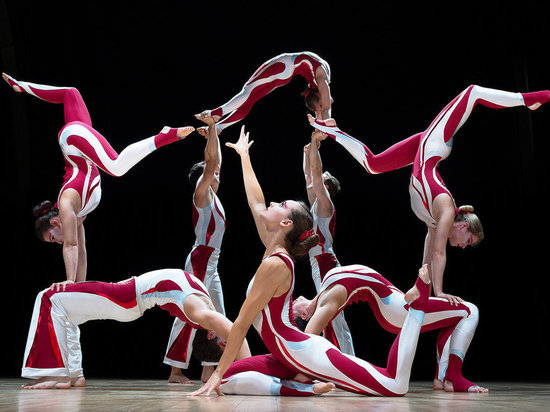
209,224
293,352
272,74
427,149
85,149
457,324
52,351
322,259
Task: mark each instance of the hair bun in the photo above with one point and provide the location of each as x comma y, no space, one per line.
465,209
42,208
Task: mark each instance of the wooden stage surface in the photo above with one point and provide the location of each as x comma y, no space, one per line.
154,395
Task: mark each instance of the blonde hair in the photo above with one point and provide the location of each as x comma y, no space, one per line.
466,214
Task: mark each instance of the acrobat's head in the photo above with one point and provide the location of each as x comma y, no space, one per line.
294,219
312,99
47,224
196,172
300,308
208,346
467,229
331,183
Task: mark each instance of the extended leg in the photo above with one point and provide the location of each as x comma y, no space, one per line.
395,157
78,139
272,74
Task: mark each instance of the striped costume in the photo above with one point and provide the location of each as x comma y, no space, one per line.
293,352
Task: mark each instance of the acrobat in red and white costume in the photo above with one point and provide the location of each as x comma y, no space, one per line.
52,351
427,149
85,149
202,262
322,259
293,352
272,74
457,324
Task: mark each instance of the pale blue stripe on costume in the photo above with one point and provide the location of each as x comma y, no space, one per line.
456,352
417,314
177,295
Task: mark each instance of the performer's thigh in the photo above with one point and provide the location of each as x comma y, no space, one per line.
265,364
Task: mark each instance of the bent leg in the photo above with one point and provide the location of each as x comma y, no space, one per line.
51,340
271,75
73,104
263,375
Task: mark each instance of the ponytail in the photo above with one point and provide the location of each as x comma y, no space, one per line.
301,237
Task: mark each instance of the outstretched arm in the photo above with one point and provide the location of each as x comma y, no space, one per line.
307,175
254,194
212,164
325,99
435,247
73,234
324,206
82,266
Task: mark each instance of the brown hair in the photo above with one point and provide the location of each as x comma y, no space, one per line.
311,98
43,213
195,172
302,221
333,185
204,349
466,214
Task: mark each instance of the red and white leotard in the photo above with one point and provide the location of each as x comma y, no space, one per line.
427,149
293,351
53,346
209,224
272,74
85,149
322,259
457,324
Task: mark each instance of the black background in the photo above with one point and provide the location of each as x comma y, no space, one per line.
141,65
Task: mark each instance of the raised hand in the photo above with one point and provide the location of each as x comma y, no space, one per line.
242,145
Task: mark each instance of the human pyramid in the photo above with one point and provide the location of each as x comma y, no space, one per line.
310,344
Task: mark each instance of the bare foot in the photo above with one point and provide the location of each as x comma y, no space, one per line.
208,119
448,386
178,377
323,387
413,292
79,382
49,382
207,371
534,106
185,131
10,80
329,122
438,385
207,113
182,131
